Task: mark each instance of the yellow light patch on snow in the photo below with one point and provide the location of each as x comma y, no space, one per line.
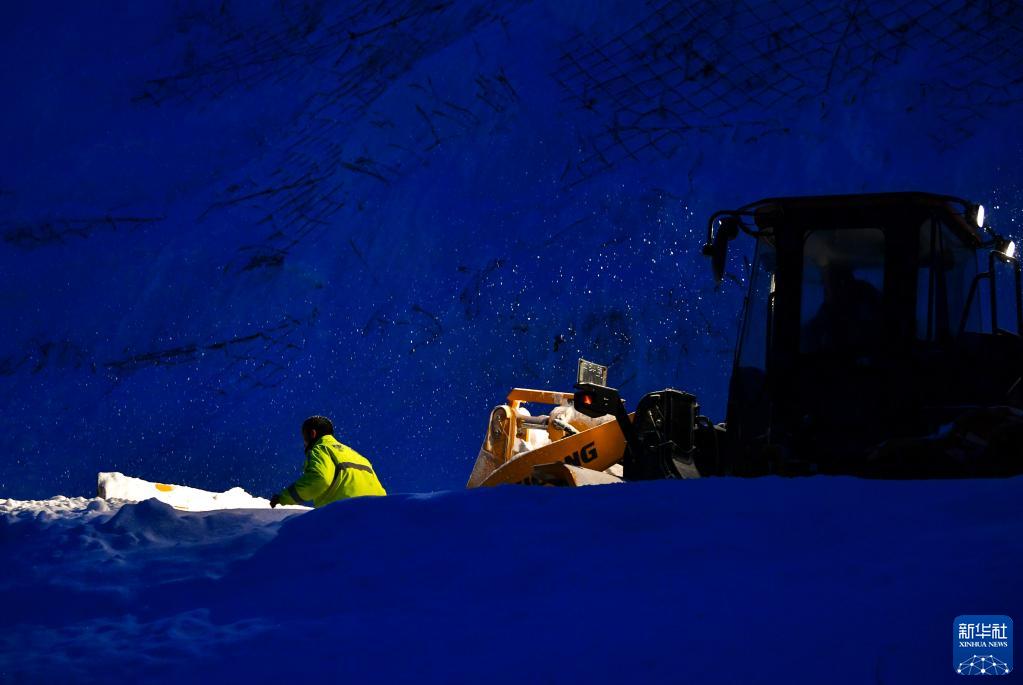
163,488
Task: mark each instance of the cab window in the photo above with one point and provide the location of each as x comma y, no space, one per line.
841,308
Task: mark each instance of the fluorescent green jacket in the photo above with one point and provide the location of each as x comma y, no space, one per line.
332,471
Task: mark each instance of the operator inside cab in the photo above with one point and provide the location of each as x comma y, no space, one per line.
850,320
332,471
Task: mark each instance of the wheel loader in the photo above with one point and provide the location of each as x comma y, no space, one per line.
880,337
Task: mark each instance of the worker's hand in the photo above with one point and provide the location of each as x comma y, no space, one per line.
274,501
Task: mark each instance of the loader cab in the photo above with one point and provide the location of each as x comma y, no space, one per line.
868,317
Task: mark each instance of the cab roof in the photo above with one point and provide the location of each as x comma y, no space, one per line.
859,210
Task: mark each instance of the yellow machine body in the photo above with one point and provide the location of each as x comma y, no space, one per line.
511,455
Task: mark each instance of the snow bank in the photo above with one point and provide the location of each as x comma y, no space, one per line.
57,508
69,559
813,580
122,487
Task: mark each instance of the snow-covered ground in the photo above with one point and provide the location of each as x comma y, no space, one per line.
814,580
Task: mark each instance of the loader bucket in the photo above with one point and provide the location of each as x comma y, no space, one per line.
598,445
563,474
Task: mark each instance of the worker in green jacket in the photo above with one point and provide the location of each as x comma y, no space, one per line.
332,471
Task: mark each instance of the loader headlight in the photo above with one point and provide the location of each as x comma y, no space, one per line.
976,213
1005,246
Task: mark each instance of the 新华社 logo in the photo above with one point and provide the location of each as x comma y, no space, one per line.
982,645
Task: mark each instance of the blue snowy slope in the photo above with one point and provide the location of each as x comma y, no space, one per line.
218,218
810,580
